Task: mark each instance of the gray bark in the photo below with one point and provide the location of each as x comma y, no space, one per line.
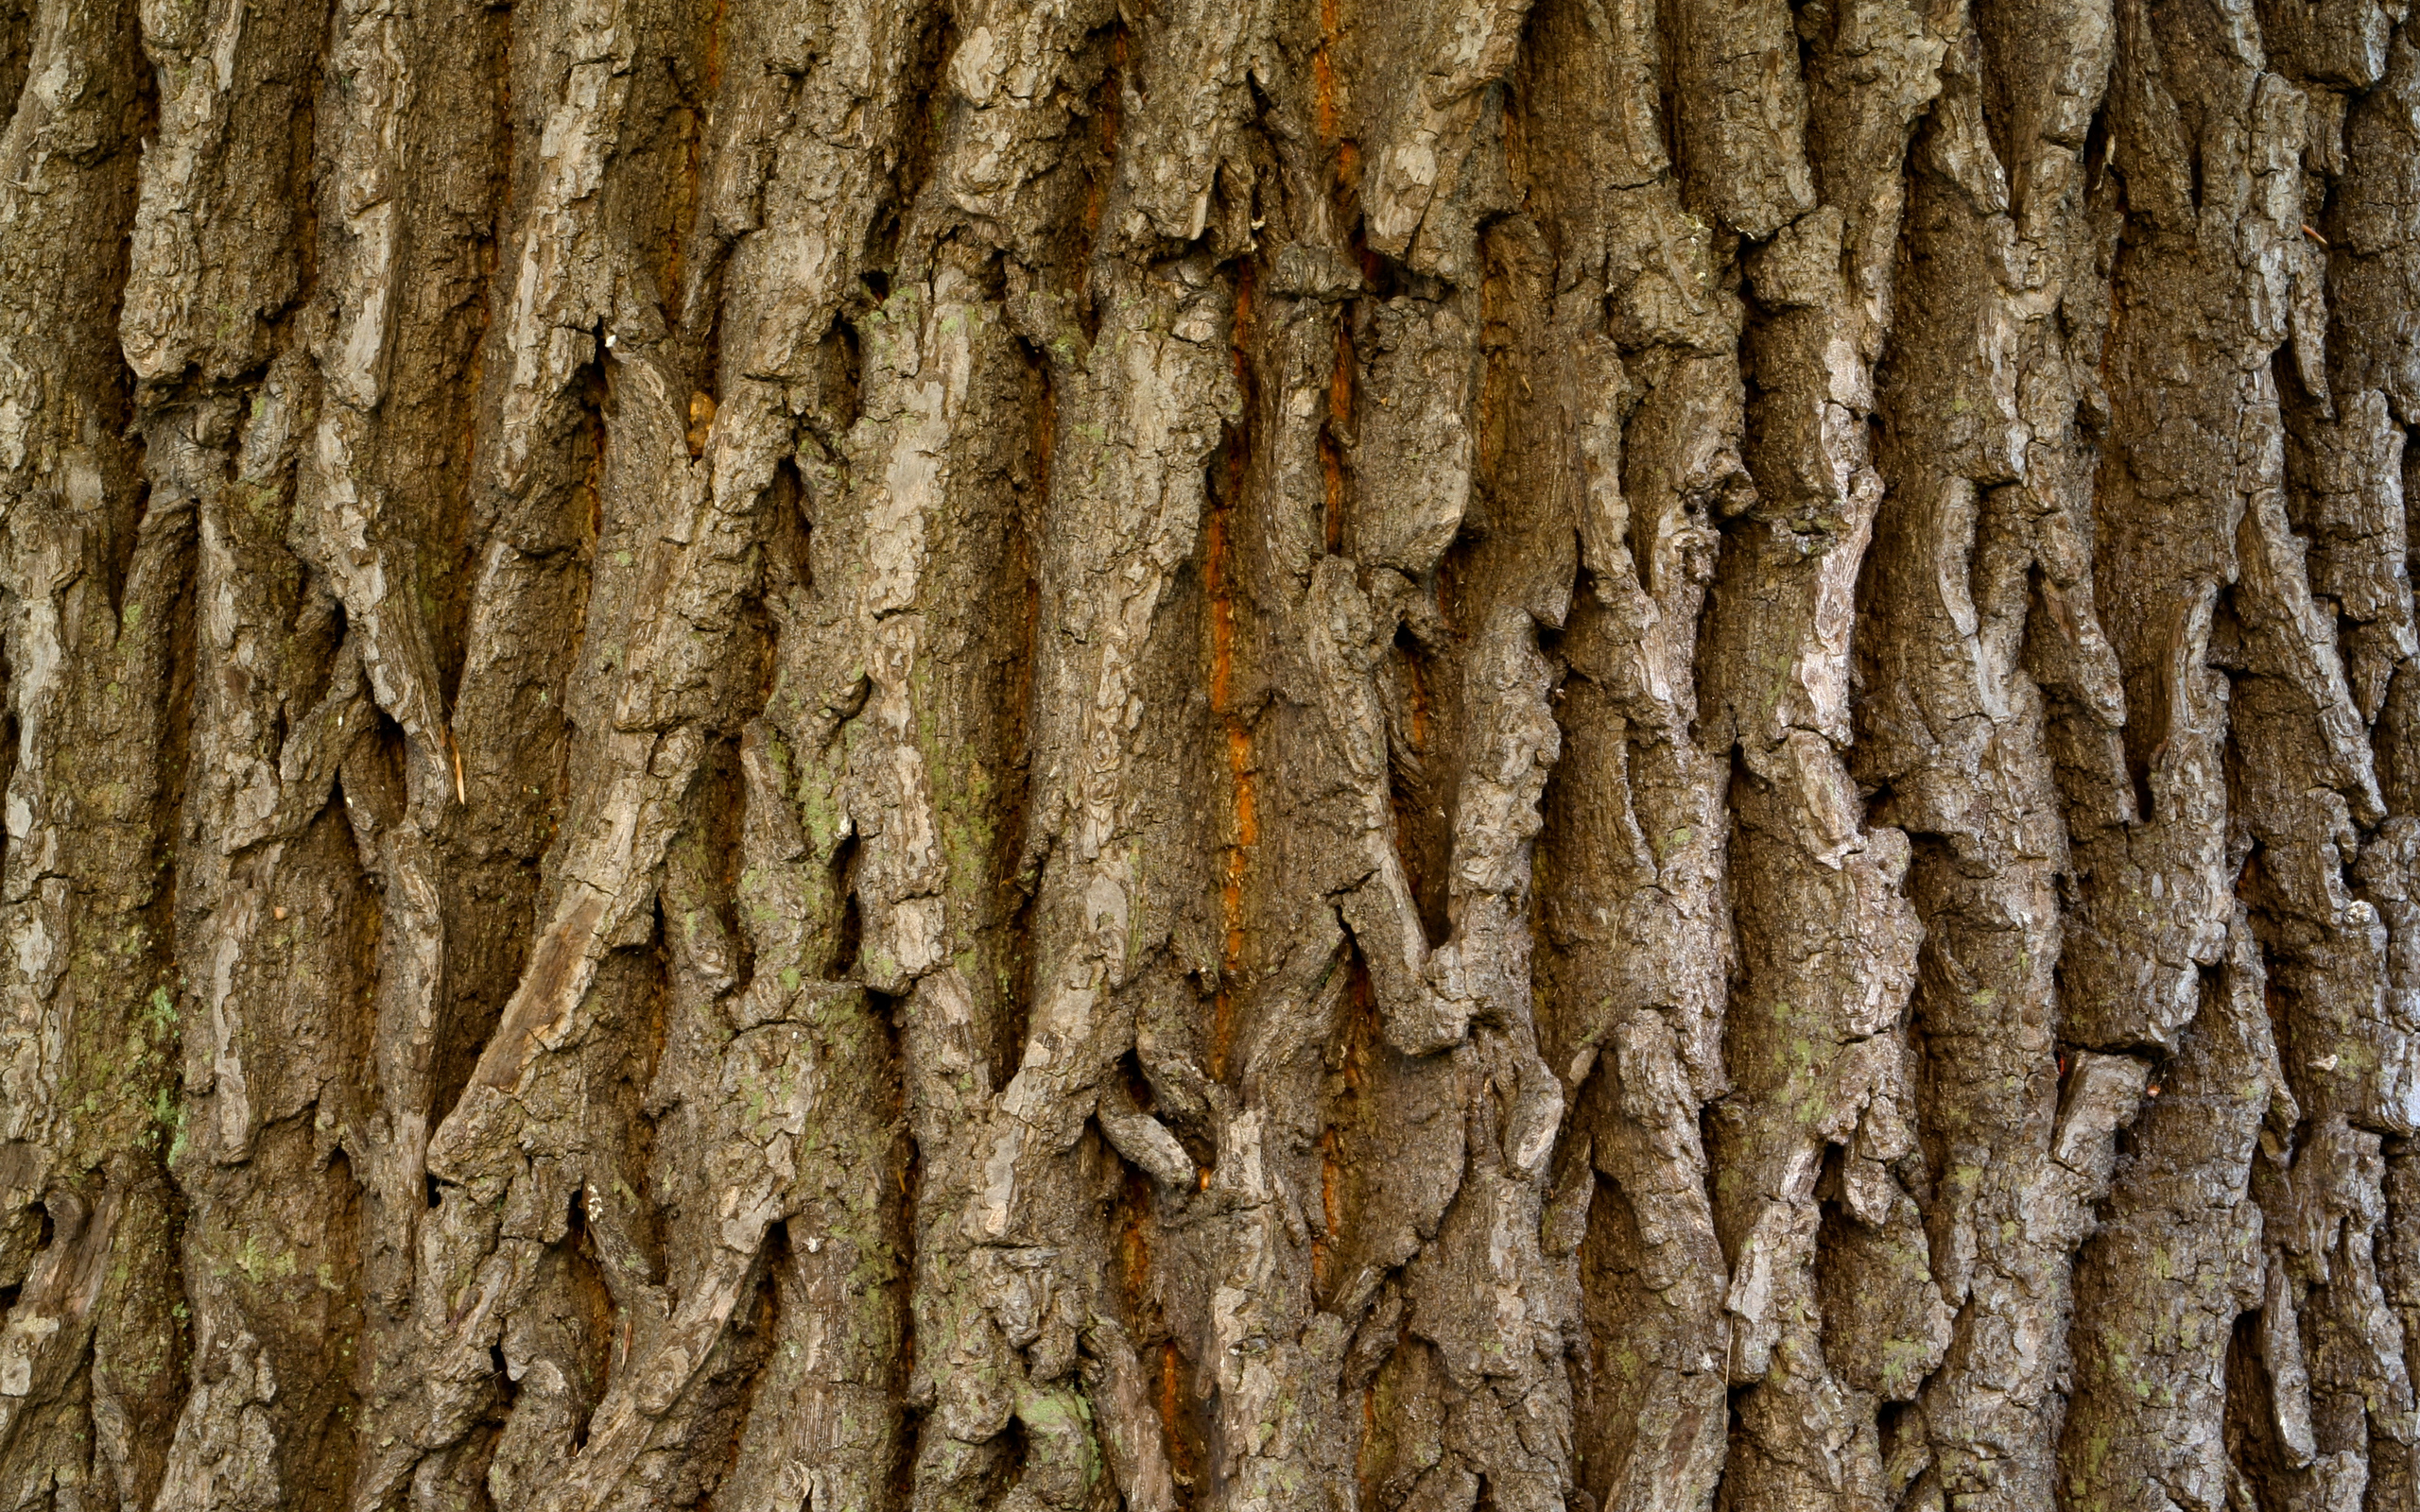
1245,755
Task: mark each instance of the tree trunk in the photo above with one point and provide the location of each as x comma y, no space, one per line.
1247,755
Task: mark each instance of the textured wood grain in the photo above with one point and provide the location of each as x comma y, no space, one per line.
1243,755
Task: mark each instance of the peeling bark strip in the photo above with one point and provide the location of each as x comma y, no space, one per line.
1235,755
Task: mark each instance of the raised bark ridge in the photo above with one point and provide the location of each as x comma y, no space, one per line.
1247,755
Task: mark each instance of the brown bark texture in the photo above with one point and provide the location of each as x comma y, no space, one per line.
1245,755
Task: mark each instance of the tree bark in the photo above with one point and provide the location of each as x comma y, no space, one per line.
1244,755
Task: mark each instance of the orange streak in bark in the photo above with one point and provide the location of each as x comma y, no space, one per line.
1240,764
1340,380
1171,1407
1223,611
1246,815
1217,579
1236,354
1134,1248
1339,412
1332,477
1323,72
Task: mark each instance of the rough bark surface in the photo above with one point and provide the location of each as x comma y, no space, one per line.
1244,755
